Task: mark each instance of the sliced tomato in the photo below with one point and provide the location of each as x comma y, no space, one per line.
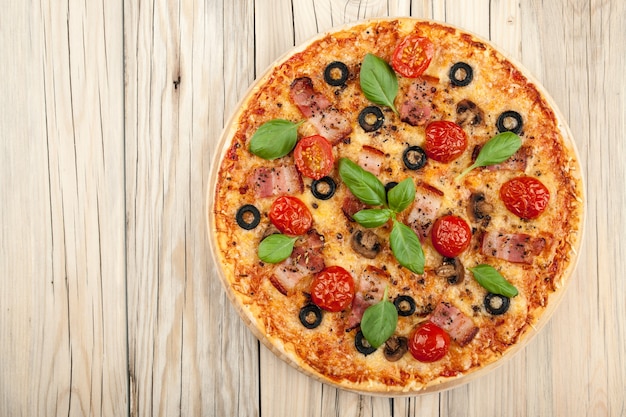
445,141
526,197
314,156
429,342
291,216
333,289
450,235
412,56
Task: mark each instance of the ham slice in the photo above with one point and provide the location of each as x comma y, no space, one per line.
457,324
416,109
427,202
512,247
371,159
309,101
369,290
268,182
315,106
305,260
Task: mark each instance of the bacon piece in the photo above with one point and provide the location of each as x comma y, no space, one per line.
309,101
308,253
427,201
416,109
305,260
268,182
512,247
332,125
459,326
351,205
371,159
316,107
369,291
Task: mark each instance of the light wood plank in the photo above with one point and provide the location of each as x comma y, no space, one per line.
189,352
62,327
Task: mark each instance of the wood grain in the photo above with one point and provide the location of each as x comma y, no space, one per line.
62,332
109,118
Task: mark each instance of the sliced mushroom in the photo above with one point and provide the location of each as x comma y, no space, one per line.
366,243
452,270
271,230
480,209
467,112
395,348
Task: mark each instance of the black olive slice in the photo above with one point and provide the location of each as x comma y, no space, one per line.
497,304
310,316
371,118
461,74
414,157
510,121
405,304
390,185
330,73
362,345
243,217
324,188
388,188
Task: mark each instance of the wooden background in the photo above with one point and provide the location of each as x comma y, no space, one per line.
109,116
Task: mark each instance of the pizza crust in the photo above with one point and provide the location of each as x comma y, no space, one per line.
327,353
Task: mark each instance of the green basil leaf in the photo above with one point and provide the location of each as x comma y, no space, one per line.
276,248
406,247
379,82
491,280
372,217
274,138
379,322
363,184
402,195
498,149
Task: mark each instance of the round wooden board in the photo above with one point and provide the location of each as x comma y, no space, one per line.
288,355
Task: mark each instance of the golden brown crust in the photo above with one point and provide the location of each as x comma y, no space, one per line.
328,352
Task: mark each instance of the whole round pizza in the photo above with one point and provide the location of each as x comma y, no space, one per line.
395,206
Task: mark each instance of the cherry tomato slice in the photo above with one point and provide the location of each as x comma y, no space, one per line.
451,235
412,56
445,141
291,216
333,289
314,156
526,197
429,342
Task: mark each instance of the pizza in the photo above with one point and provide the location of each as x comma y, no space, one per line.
395,207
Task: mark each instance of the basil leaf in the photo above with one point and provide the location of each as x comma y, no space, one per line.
406,247
276,248
498,149
372,217
379,322
363,184
491,280
274,138
402,195
378,81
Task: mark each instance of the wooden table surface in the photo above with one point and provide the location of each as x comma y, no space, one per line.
109,116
